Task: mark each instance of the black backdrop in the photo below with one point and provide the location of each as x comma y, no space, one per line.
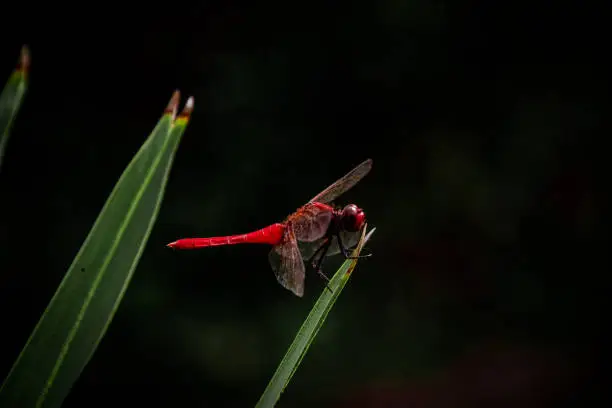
486,284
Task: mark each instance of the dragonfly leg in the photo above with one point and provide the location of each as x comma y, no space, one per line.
317,265
345,251
323,246
326,279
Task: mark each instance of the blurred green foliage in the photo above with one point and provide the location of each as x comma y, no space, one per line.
11,97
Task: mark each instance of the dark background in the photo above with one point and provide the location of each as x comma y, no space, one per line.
486,287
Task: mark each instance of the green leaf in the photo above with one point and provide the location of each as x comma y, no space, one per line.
11,97
85,302
310,328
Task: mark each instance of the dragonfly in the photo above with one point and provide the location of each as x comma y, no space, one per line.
314,231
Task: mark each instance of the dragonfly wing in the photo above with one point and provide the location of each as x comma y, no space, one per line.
309,248
287,264
343,184
311,222
349,240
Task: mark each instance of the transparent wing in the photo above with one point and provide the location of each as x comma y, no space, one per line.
311,222
343,184
287,264
349,240
307,249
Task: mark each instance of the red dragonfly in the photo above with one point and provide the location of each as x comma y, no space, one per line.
315,229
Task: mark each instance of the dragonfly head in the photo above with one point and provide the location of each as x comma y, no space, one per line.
353,218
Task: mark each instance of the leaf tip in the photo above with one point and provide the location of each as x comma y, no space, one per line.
173,104
23,65
362,241
188,109
368,235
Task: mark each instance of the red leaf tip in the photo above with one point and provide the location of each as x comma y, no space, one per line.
173,104
24,59
171,245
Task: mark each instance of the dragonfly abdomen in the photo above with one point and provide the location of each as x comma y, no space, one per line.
271,235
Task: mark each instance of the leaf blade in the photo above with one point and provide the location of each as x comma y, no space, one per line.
87,298
310,328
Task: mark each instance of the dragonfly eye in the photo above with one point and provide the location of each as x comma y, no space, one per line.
353,218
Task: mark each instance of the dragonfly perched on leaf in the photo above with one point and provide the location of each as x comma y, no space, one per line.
313,231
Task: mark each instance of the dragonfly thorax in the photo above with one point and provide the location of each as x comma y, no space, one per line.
352,218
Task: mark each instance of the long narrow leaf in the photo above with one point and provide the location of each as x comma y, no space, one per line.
11,97
310,328
83,306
